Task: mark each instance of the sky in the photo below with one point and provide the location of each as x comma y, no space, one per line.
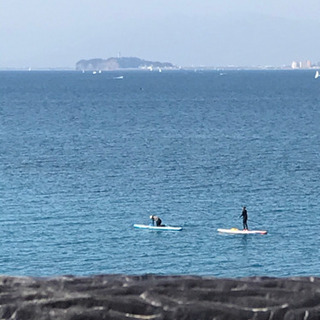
212,33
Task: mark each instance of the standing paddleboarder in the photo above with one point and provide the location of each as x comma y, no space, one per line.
244,216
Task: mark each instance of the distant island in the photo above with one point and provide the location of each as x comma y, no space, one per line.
121,63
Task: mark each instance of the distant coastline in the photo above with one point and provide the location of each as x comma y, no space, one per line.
136,64
129,63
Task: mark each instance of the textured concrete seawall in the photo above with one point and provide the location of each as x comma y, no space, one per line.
159,297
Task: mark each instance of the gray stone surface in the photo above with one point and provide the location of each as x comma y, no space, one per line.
159,297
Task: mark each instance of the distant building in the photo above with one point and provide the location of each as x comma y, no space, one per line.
305,64
301,64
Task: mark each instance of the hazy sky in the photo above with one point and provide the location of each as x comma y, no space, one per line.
58,33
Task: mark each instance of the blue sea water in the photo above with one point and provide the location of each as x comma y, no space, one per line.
83,157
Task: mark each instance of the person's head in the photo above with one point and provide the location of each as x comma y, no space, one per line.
151,217
244,207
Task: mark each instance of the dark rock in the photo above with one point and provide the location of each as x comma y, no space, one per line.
159,297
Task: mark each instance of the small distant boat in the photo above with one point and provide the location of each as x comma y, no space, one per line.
317,75
120,77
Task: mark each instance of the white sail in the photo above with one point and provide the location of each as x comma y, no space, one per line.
317,75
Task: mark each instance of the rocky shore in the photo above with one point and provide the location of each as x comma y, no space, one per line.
159,297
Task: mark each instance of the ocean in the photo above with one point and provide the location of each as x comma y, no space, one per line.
85,156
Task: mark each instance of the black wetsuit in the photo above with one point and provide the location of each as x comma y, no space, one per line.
157,220
244,216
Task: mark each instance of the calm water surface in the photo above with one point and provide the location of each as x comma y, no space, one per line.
83,157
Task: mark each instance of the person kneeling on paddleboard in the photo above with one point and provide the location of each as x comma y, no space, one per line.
156,219
244,216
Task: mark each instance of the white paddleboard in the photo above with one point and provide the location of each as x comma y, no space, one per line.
160,228
240,231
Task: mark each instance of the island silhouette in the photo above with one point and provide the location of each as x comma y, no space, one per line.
121,63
